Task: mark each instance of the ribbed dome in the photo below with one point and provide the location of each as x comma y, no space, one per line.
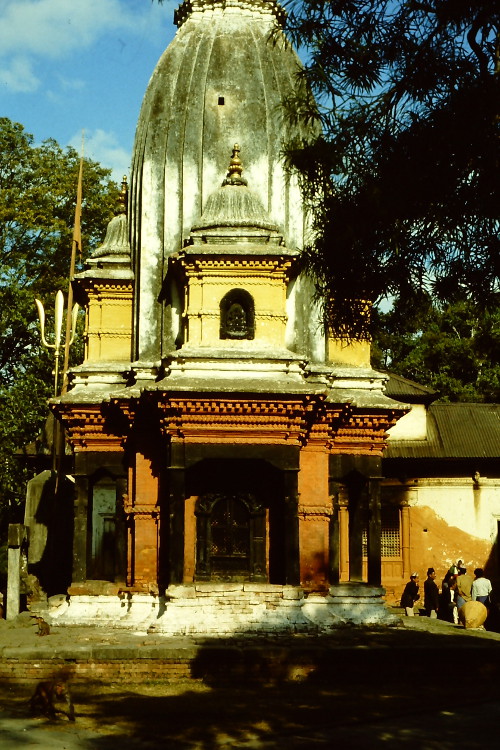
222,80
232,206
116,241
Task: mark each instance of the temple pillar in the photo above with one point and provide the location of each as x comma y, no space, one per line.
176,513
358,509
334,542
344,539
144,514
374,533
405,539
121,532
315,511
145,549
80,533
356,527
292,558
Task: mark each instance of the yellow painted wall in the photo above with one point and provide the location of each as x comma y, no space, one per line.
356,353
265,282
108,334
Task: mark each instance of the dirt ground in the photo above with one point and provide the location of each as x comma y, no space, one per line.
425,685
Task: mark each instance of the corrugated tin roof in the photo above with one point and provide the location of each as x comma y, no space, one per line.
458,430
403,389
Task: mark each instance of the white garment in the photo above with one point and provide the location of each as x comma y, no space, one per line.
481,587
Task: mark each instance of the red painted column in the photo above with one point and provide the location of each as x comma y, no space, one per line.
144,532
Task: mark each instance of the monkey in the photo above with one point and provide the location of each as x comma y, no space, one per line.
43,627
47,694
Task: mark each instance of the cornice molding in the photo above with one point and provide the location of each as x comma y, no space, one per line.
306,421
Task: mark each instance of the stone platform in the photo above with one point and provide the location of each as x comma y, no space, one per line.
226,609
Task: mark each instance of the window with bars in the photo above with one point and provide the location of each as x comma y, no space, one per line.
390,533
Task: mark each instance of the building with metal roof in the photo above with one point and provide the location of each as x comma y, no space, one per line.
441,487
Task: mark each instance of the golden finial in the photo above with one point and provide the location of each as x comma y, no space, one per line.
123,197
233,176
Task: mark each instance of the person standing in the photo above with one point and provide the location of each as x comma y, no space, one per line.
481,587
431,594
464,587
410,594
447,601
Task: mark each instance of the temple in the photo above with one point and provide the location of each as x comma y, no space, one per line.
227,449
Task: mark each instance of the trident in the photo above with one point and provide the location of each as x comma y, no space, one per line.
58,322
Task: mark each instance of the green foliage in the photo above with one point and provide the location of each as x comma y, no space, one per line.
37,206
403,181
453,348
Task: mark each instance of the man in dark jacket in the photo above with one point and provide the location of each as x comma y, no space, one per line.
410,594
431,594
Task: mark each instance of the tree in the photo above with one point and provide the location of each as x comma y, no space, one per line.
37,206
403,180
454,348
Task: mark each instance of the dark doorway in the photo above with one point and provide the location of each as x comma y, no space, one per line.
230,531
230,537
107,530
239,520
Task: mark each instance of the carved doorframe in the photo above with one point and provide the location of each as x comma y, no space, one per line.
257,535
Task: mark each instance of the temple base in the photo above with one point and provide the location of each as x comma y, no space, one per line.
360,604
228,609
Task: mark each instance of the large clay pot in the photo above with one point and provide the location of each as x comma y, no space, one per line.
472,614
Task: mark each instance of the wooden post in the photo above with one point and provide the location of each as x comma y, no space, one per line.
176,512
374,534
334,537
405,539
356,525
292,554
344,540
80,539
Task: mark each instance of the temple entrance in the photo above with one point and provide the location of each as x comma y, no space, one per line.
230,537
103,526
106,543
239,526
231,534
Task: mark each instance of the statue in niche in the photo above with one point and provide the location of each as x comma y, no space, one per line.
236,322
237,315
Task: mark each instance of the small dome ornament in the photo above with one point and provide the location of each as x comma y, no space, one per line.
116,243
233,205
233,176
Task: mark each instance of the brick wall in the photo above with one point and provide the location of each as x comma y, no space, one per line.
131,671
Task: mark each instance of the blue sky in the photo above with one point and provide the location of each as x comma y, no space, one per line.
73,65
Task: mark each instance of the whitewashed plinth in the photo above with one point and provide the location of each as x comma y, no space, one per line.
122,611
85,609
360,604
317,610
229,609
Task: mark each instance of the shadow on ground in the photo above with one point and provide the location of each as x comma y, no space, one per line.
366,692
